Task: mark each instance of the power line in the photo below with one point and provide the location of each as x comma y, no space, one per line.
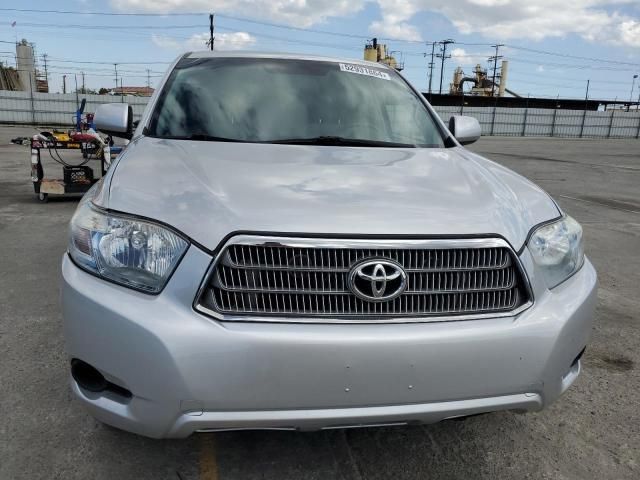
229,17
276,25
114,14
95,62
573,65
577,57
292,40
109,27
271,24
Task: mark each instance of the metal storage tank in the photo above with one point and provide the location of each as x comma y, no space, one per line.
504,71
26,66
370,53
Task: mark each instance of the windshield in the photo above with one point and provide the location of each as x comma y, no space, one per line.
291,101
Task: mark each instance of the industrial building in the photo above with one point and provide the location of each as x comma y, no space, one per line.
378,52
482,85
25,77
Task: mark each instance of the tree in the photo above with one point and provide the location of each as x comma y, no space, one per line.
103,91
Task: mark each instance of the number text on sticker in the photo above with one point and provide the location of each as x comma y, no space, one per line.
362,70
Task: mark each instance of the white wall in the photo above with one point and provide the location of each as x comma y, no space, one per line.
55,108
538,122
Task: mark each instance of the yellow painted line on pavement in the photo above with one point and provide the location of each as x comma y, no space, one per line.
208,462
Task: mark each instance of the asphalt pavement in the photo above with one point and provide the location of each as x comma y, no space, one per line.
592,432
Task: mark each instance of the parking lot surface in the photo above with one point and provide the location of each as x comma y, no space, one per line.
593,432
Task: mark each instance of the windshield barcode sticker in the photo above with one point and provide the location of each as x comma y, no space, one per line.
362,70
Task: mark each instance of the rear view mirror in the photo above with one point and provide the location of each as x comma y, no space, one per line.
465,129
115,119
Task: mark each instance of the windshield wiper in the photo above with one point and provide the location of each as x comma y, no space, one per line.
341,141
203,137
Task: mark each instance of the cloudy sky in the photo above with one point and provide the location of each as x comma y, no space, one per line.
553,46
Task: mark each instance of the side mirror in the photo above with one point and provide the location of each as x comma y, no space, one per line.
115,119
466,129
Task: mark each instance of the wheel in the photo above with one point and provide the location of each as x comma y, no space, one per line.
43,197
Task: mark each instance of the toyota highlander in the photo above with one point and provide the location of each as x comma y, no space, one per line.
298,242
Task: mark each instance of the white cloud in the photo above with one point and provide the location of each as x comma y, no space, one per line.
630,32
540,68
301,13
223,41
594,20
462,58
400,31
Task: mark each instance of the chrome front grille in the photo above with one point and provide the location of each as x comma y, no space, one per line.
288,279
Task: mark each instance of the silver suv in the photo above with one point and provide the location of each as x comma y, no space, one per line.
296,242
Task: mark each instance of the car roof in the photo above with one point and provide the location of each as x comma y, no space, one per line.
288,56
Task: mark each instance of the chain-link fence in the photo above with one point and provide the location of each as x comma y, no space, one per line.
59,109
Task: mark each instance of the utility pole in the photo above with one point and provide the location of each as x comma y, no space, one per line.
148,78
431,64
75,78
584,114
115,69
586,96
211,37
633,84
84,90
443,56
46,72
495,59
64,84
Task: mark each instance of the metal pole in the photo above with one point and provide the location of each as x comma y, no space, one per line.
33,107
613,112
443,56
493,119
46,72
553,122
638,131
75,78
584,115
431,64
526,114
633,84
495,68
211,37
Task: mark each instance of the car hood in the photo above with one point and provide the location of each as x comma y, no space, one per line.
208,190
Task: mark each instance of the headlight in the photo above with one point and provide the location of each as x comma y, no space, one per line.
134,253
558,250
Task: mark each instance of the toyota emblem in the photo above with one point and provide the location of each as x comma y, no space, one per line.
377,280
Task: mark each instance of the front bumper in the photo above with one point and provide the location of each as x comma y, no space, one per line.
188,372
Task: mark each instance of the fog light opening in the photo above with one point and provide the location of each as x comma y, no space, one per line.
87,376
578,357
